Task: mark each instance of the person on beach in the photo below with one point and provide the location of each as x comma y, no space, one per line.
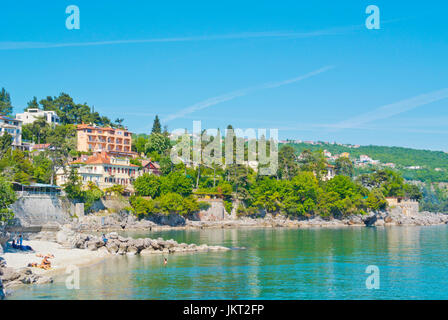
20,240
104,239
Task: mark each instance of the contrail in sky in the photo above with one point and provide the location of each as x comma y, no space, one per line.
393,109
12,45
239,93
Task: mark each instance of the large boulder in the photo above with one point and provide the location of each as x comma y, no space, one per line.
112,235
131,250
112,246
122,248
9,274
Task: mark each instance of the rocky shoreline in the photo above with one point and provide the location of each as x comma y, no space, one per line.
384,218
70,241
119,245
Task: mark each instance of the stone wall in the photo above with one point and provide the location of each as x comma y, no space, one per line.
216,212
39,210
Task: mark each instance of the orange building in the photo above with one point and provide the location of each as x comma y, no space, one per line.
96,139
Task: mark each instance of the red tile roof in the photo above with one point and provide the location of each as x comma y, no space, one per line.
98,158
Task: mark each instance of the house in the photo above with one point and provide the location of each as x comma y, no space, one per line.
33,114
114,141
407,206
38,148
344,155
365,158
331,172
12,127
327,153
103,170
151,167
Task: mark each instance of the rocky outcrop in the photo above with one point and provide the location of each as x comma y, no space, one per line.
10,277
116,244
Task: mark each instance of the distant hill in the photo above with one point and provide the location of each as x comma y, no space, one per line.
434,163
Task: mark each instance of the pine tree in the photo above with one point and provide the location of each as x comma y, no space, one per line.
5,103
156,127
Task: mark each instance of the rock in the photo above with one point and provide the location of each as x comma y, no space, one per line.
44,280
379,223
131,250
122,239
112,247
370,220
2,291
103,250
122,248
112,235
9,274
155,244
139,244
388,219
148,251
147,242
2,262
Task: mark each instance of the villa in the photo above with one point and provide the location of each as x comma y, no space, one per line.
12,127
33,114
103,170
115,141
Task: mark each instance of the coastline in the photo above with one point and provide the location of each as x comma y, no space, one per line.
378,219
73,247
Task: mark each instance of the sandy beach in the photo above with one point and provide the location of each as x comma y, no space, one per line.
63,257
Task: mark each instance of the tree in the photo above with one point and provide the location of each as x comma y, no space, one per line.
33,104
73,187
7,197
5,143
119,122
5,103
287,165
156,127
147,185
344,166
313,162
157,143
176,182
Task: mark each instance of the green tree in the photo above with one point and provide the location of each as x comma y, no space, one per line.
73,187
344,166
5,143
7,197
156,127
33,104
157,142
5,103
287,165
147,185
176,182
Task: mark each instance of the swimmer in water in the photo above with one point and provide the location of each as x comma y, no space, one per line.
165,261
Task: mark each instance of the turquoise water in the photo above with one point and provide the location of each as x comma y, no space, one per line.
277,264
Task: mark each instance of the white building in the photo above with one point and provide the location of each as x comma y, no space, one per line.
32,115
365,158
13,127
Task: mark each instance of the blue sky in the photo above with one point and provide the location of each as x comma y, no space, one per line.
309,68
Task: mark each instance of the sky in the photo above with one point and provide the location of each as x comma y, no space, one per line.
310,69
